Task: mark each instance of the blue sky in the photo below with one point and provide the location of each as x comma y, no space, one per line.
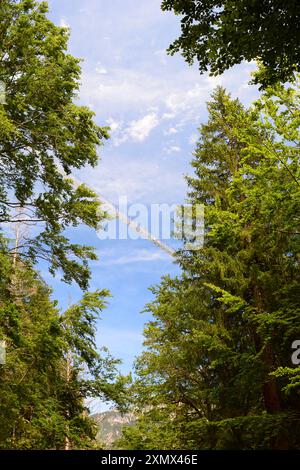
154,104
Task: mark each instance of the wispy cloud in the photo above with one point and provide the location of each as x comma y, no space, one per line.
138,130
173,149
113,124
171,131
180,99
63,23
139,256
127,255
100,69
137,179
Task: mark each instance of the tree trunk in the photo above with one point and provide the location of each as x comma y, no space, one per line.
270,389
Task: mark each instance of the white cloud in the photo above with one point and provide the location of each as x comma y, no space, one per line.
113,124
138,130
170,131
121,90
184,100
168,116
100,69
180,97
136,178
131,180
138,256
162,56
125,89
64,24
173,149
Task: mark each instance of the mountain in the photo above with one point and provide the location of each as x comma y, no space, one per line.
110,425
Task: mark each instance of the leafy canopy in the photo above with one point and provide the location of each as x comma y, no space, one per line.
220,34
43,133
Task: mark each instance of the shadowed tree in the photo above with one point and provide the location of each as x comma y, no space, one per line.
220,34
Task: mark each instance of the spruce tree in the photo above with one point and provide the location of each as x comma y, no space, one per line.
218,352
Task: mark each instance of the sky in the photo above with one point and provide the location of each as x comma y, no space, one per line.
154,105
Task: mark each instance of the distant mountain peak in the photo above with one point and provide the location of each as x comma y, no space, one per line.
110,424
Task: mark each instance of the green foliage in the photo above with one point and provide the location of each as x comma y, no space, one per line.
52,365
217,371
43,132
220,34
